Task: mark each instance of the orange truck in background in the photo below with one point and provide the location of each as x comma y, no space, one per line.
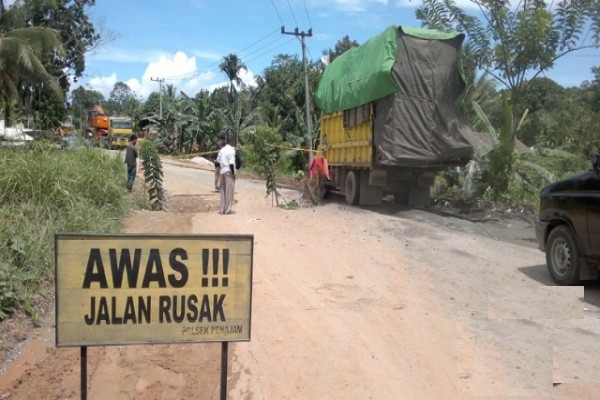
97,127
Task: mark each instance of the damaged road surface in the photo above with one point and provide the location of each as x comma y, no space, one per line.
350,303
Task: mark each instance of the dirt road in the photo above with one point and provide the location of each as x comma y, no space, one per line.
352,303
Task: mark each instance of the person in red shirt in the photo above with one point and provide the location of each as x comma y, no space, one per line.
319,167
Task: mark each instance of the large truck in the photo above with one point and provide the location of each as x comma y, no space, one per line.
97,127
390,120
119,131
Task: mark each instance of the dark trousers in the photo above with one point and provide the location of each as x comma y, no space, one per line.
131,171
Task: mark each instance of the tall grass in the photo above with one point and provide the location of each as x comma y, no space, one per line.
44,191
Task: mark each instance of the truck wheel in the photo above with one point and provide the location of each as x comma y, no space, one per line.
352,188
323,191
562,256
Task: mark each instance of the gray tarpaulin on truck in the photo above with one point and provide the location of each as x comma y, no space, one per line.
414,95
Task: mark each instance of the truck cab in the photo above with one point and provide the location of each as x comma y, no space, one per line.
119,130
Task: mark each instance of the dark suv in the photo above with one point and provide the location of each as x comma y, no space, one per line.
568,229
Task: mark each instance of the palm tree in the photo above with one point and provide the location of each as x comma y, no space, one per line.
231,66
239,120
21,53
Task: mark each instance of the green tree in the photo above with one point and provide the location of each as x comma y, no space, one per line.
20,63
152,104
240,119
77,33
69,20
265,148
282,87
516,44
188,121
232,65
82,100
122,101
595,101
341,46
219,98
281,96
543,100
205,114
502,156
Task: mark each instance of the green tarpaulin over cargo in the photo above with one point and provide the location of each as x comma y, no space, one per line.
411,80
364,74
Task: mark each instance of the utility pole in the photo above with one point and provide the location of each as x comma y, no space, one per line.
160,82
302,35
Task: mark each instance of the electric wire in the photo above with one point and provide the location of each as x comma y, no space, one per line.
210,66
307,15
292,11
214,67
270,50
277,12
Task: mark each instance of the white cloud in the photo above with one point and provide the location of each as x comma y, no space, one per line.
102,84
177,67
124,56
205,80
207,55
179,70
248,77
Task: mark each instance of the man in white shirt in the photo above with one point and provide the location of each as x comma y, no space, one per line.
226,160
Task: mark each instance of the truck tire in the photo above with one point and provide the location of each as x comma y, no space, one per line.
323,191
562,256
352,188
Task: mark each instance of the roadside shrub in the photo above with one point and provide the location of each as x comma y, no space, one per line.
43,191
265,146
153,174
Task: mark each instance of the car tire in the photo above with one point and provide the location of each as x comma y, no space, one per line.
562,256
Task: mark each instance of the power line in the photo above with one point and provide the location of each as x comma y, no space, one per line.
214,67
248,56
292,11
307,15
270,50
214,64
277,11
263,47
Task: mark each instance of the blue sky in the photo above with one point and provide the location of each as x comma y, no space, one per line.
183,41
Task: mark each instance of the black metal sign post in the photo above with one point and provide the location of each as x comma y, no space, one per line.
83,361
224,346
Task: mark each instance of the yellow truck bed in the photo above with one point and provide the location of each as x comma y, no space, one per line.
350,147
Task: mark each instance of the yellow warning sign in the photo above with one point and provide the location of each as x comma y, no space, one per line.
141,289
